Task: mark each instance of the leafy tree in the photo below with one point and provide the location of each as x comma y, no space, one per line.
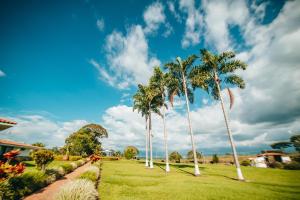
158,82
215,158
190,155
56,150
42,158
281,145
178,84
147,101
38,144
85,141
216,71
131,152
175,156
118,154
296,142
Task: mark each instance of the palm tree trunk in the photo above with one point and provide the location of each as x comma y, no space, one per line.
197,172
166,140
150,141
146,151
235,156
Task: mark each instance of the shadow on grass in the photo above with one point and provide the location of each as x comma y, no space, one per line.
29,164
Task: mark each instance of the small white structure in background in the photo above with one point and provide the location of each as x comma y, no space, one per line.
258,162
266,157
286,159
108,152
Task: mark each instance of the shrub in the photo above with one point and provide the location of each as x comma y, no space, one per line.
53,174
89,175
80,189
74,165
7,170
215,159
110,158
59,157
246,163
130,152
175,156
296,158
26,184
292,166
79,162
67,168
276,164
94,158
74,158
42,158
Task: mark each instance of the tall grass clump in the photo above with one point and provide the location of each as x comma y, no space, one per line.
80,189
91,173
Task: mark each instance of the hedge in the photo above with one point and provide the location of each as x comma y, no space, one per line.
20,186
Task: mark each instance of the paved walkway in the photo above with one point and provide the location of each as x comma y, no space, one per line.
48,193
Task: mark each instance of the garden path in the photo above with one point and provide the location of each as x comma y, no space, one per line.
48,192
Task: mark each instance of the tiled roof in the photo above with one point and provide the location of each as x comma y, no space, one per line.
6,121
17,144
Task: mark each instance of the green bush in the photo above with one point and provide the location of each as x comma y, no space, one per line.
67,168
89,175
59,157
246,163
74,158
292,166
276,164
296,158
131,152
42,158
20,186
80,189
215,159
175,156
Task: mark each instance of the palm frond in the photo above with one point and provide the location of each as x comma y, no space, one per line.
235,80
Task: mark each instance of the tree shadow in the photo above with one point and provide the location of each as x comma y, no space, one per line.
29,164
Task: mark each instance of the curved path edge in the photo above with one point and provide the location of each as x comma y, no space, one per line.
48,192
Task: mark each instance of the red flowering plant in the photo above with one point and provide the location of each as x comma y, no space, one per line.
8,170
94,158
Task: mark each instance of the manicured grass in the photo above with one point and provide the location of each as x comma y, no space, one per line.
123,179
30,165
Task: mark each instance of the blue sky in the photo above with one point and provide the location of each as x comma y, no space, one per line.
64,64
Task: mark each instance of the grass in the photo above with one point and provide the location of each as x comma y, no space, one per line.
130,180
30,165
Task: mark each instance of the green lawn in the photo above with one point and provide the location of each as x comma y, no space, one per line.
30,165
130,180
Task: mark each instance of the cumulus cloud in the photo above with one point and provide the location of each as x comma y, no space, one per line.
2,73
36,128
219,16
128,58
100,24
154,16
193,24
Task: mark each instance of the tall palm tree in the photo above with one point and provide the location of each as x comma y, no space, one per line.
158,81
150,103
140,104
178,84
218,71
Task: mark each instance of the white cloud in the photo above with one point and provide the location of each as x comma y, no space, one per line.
100,24
154,16
219,16
2,73
174,12
36,128
128,58
193,24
